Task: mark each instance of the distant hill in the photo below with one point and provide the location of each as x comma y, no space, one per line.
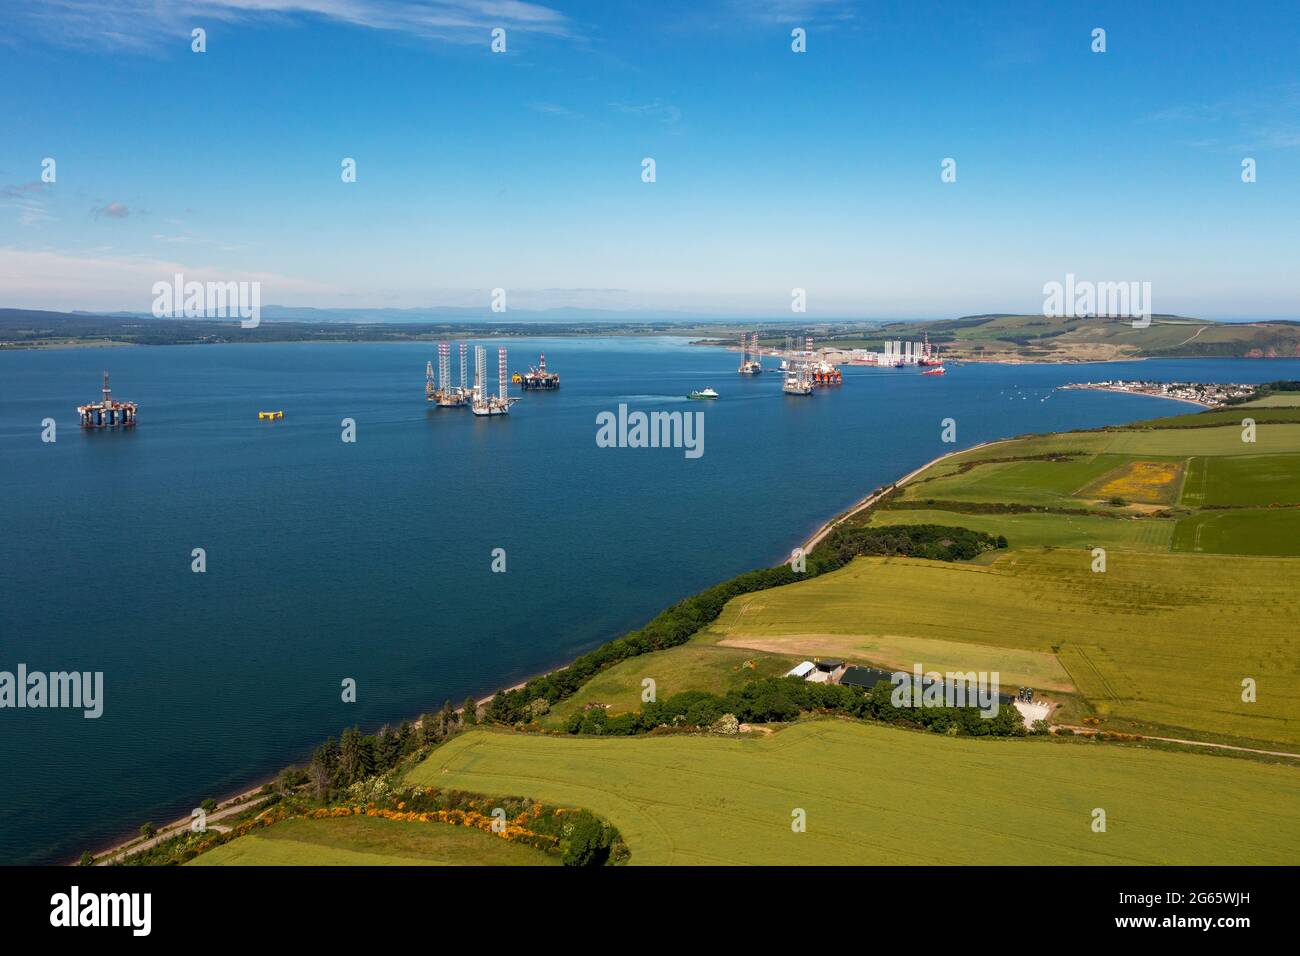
31,328
1038,338
999,337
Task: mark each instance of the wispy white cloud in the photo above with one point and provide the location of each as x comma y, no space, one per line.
29,200
794,11
1265,119
553,109
185,239
143,24
658,110
102,279
113,210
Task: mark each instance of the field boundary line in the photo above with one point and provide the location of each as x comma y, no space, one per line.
1091,731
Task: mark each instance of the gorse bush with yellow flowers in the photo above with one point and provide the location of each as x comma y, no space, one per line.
578,836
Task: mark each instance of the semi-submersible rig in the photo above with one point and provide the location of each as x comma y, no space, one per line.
537,378
107,413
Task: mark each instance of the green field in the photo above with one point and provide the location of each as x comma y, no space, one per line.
1262,531
1073,483
1276,400
1048,530
1158,644
1266,411
371,841
1064,443
689,667
1244,480
1269,439
878,795
1025,482
1218,469
1165,634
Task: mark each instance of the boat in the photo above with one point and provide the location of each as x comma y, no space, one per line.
702,393
937,370
269,416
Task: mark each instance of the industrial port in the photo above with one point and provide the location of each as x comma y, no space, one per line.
804,369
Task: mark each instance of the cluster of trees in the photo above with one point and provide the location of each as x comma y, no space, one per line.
785,698
579,837
590,841
995,508
357,756
676,625
932,541
1268,388
1053,456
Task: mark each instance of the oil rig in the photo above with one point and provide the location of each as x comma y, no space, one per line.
537,378
483,402
108,412
443,393
750,357
798,379
807,369
929,354
824,373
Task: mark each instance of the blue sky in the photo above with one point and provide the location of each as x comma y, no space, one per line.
775,170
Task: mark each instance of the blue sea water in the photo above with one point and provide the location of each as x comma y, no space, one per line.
372,560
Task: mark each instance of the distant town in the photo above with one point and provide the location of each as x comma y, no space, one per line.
1209,394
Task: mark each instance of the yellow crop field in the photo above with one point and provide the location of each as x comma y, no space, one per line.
1146,482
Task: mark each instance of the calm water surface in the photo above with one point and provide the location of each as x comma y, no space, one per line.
372,560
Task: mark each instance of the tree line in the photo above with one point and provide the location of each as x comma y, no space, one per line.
355,756
678,623
776,699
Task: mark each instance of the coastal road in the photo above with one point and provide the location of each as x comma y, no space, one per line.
225,809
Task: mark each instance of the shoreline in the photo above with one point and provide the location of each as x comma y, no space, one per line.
1126,391
228,806
1013,362
231,805
865,503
